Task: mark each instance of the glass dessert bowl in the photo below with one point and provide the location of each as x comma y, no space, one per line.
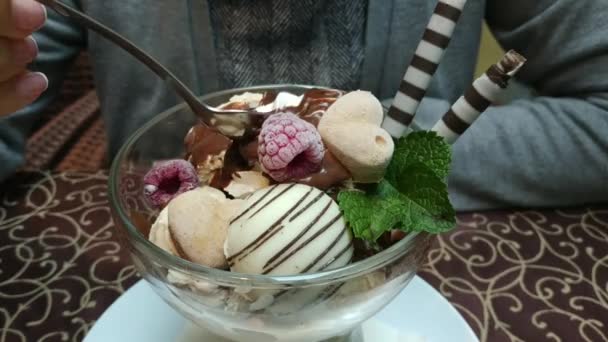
325,304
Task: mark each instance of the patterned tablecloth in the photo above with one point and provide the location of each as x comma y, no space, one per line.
514,275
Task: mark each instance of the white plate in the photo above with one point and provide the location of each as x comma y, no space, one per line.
418,314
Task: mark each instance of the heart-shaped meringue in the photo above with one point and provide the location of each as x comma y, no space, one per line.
351,130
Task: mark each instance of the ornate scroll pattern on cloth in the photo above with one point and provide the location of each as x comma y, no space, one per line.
514,275
527,275
60,264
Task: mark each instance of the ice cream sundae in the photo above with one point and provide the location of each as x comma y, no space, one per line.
315,182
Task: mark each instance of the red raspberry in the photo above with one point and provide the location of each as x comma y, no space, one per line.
289,147
168,179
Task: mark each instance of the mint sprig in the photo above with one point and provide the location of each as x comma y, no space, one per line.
424,147
412,196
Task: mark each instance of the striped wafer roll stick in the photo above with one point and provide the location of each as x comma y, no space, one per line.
483,92
426,59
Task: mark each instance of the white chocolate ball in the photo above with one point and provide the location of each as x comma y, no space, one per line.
288,229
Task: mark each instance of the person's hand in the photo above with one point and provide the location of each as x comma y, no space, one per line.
19,87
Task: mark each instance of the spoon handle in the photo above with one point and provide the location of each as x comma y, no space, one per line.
197,107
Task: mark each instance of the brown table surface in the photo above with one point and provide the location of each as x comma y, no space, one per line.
514,275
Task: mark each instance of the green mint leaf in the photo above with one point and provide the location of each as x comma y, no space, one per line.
369,216
423,147
424,200
412,197
358,208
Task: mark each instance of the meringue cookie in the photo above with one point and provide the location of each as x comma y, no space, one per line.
351,131
364,149
159,232
356,106
198,222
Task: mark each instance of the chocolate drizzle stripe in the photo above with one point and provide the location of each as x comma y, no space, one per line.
454,122
333,291
271,189
281,293
272,233
424,64
476,100
448,11
326,251
276,226
314,200
271,264
342,251
279,253
411,90
272,200
436,38
255,244
323,295
400,116
327,292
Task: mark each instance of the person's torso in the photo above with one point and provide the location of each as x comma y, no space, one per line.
215,44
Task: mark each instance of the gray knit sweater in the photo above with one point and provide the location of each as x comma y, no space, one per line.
289,41
544,151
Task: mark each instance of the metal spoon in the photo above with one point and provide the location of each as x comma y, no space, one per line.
202,110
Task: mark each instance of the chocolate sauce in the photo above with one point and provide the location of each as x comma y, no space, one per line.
268,98
203,141
233,163
249,151
141,221
242,153
314,103
363,249
331,174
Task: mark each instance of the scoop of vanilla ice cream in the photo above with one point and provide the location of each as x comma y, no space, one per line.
249,98
161,236
233,125
288,229
284,99
246,182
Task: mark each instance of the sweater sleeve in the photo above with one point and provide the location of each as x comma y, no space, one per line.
552,149
59,41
